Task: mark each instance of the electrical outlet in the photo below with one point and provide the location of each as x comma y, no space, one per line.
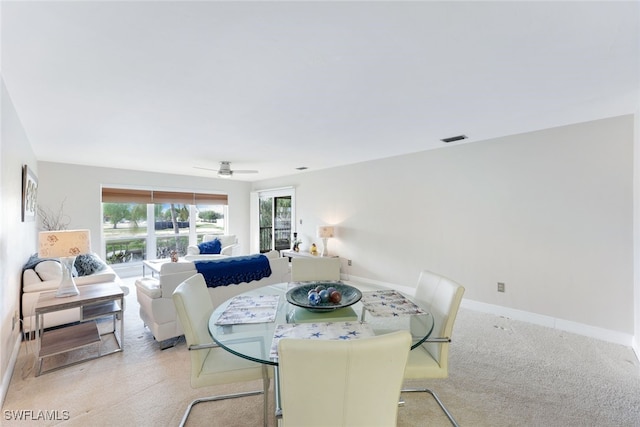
500,287
349,262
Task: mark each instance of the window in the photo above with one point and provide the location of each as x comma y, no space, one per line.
147,224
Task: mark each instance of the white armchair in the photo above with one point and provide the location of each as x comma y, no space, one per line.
227,242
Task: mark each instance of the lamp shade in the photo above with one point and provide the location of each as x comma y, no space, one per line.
64,243
325,231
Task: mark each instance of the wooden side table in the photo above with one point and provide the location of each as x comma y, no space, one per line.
96,301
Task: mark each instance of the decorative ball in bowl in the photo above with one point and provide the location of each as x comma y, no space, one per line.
323,296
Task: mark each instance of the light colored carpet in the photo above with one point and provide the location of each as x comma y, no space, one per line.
502,373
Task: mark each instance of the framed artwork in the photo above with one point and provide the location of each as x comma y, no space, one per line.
29,194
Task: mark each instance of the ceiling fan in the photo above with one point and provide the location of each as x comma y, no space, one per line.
225,170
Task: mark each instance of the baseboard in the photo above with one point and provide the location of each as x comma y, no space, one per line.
8,373
525,316
607,335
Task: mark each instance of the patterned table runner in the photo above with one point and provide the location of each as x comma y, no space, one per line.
389,303
250,309
320,331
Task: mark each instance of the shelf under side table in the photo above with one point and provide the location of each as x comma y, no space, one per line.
69,338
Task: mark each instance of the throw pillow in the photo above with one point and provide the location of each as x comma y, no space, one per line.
88,264
49,270
211,247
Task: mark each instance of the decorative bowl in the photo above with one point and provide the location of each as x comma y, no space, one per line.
299,296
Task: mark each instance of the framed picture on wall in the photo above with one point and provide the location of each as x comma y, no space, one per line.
29,194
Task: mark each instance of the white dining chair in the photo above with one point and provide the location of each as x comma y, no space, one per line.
210,364
441,297
342,383
320,268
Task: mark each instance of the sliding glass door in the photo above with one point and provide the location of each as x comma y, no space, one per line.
275,219
275,223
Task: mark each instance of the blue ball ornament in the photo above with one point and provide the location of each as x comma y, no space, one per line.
324,295
314,298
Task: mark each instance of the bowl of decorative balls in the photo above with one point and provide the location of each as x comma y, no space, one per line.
323,296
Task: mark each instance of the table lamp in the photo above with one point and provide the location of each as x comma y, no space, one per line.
65,245
325,232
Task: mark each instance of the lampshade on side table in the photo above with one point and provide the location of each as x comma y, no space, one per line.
325,232
65,245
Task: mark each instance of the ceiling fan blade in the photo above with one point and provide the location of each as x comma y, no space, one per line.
206,169
225,169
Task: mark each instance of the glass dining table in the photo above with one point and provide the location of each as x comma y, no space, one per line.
249,325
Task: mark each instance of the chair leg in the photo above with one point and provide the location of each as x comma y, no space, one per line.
265,387
438,401
215,398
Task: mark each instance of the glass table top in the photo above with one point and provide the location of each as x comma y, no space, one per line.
255,341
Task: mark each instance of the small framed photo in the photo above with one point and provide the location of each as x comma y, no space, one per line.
29,194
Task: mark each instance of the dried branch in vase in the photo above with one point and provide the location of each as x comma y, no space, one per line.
53,221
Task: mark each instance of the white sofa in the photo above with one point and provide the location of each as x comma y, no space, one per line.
154,294
227,242
45,276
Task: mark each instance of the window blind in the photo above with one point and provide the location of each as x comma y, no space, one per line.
127,195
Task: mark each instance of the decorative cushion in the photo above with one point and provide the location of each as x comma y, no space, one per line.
88,264
49,270
212,247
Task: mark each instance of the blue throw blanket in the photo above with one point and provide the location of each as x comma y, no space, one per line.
35,260
234,270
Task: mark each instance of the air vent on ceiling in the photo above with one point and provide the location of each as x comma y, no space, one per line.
454,138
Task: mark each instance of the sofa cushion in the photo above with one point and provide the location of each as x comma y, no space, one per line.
212,247
88,264
33,283
107,275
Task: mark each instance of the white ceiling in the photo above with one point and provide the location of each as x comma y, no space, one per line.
166,86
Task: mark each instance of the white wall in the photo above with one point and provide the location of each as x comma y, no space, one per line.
17,238
548,213
636,220
79,187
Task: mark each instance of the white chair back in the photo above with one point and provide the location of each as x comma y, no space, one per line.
442,298
194,307
308,269
342,383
